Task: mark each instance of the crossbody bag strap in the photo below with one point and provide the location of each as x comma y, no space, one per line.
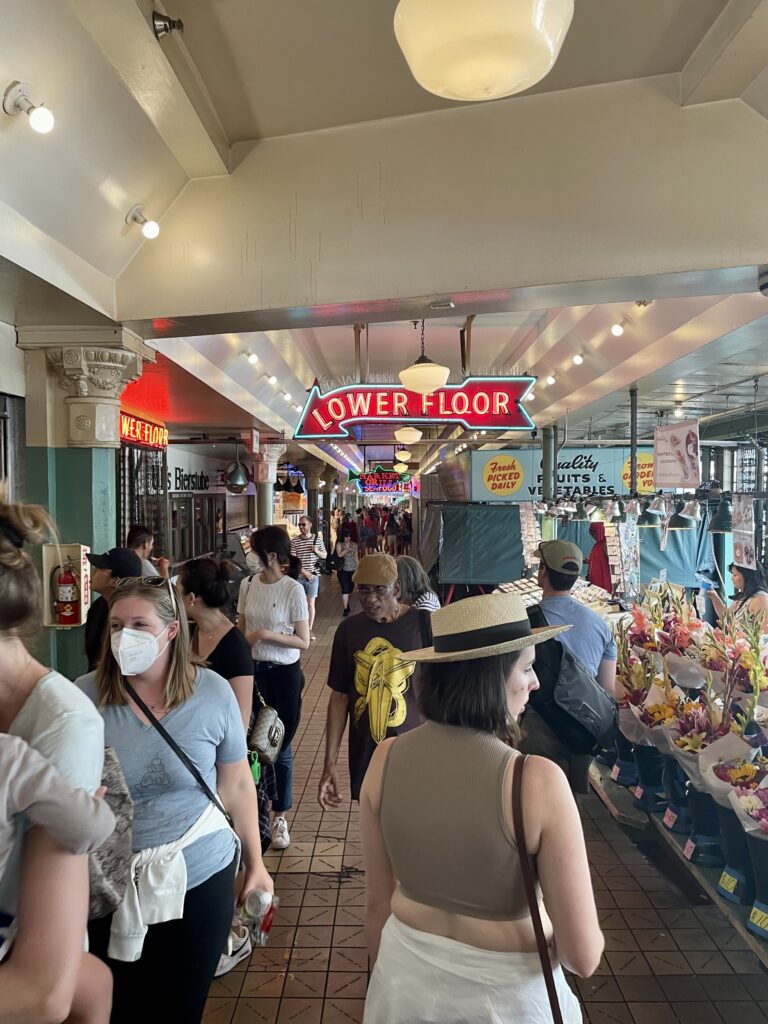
530,886
185,759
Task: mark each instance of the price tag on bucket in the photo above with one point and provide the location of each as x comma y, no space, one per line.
639,792
727,882
689,849
669,818
615,772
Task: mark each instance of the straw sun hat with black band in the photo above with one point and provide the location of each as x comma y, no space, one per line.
479,627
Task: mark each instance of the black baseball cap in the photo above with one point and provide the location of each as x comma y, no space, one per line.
121,562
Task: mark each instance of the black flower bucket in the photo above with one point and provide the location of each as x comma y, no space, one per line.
737,882
650,794
676,817
757,922
704,846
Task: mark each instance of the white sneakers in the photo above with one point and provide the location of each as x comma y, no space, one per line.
238,949
281,840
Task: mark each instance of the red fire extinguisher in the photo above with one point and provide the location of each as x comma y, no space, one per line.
66,595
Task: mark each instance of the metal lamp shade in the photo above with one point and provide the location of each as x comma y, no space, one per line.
722,521
235,477
677,521
646,520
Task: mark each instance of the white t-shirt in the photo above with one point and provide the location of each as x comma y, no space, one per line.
62,724
273,606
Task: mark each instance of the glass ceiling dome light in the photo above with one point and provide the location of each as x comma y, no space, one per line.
481,50
403,456
424,377
407,435
400,467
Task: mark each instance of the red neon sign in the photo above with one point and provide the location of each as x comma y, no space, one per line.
134,430
384,480
479,403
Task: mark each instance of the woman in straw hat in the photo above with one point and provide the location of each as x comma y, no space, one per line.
449,920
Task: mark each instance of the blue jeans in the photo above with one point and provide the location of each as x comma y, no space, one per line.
284,780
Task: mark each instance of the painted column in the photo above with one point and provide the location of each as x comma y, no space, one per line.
312,477
547,474
265,473
74,379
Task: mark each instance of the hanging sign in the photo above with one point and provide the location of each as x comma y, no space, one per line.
382,481
136,431
479,403
744,531
676,462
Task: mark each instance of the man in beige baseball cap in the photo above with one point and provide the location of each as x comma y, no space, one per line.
590,641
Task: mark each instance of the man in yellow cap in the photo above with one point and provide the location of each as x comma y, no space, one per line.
371,688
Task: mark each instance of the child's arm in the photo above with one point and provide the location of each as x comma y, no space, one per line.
75,819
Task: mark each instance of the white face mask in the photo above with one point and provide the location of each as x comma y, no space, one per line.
135,650
253,562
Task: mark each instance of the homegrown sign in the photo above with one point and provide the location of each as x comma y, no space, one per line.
479,403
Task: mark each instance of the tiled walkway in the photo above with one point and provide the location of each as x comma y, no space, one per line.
671,958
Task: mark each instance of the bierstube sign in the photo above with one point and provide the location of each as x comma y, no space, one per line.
478,403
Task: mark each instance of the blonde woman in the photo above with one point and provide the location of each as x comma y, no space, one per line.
186,851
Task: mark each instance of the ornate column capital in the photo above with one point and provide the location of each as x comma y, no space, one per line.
92,366
271,452
265,462
313,473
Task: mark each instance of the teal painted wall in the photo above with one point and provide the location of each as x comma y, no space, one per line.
78,486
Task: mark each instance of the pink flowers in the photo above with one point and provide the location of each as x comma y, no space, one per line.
754,802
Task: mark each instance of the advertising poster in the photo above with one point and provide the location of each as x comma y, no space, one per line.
677,465
516,476
744,531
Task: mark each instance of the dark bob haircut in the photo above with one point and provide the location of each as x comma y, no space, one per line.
471,694
273,540
208,580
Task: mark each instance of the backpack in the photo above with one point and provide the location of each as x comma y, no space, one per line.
573,704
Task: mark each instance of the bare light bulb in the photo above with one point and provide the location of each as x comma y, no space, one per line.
253,358
617,330
531,396
578,359
679,411
41,120
272,379
551,379
150,229
287,396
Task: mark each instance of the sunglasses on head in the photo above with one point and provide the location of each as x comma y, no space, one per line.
155,582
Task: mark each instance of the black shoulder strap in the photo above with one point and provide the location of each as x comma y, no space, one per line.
184,758
425,627
536,616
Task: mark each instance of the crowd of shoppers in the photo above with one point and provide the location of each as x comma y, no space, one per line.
431,698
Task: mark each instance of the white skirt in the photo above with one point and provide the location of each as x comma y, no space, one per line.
426,979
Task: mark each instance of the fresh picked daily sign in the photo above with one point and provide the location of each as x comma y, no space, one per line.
478,403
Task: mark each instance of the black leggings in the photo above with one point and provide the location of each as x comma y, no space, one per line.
345,580
169,983
281,686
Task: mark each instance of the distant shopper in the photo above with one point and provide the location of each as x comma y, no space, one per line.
393,528
166,936
272,615
49,713
114,565
448,922
368,535
308,547
599,568
415,587
405,534
751,594
348,524
346,549
204,591
372,688
141,540
590,641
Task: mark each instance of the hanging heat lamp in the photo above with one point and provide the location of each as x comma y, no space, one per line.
424,376
235,476
722,521
647,519
297,487
278,485
481,50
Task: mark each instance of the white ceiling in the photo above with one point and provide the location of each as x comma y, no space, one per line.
295,66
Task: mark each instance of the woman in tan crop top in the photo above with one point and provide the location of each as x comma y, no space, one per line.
447,920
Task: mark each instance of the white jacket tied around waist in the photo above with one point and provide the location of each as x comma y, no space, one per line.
156,887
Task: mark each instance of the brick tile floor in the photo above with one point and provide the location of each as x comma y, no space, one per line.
671,958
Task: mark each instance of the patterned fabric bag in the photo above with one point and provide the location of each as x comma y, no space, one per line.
108,866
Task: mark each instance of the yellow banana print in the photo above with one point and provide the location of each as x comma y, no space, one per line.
382,681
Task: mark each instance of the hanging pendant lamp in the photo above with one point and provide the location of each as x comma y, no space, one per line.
633,507
722,521
278,485
408,435
580,515
400,467
646,519
692,510
658,506
297,488
677,521
235,476
403,456
619,513
423,377
481,50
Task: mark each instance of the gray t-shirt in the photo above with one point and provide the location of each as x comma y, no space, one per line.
590,640
166,798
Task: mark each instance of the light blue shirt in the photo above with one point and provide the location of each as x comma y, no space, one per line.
166,798
590,640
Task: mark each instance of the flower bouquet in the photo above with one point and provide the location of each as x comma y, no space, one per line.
730,764
751,807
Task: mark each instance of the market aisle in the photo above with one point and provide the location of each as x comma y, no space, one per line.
671,957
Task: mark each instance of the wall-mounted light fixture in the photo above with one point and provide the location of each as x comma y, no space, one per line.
149,228
16,101
578,359
620,326
551,379
162,25
679,410
250,356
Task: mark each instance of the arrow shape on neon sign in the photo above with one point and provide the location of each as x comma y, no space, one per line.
479,403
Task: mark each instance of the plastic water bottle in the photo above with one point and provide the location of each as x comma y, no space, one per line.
259,913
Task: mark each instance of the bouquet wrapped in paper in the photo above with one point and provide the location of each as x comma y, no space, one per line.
729,764
751,807
657,716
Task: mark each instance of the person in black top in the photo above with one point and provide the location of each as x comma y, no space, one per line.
202,586
108,568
